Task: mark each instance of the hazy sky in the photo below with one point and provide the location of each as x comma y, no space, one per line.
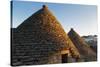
83,18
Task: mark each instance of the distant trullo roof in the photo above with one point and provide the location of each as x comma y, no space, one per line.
83,48
43,35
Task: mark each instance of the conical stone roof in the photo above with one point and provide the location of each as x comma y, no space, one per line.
43,35
44,26
84,49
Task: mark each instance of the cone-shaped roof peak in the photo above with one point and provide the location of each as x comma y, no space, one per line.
44,7
72,32
72,29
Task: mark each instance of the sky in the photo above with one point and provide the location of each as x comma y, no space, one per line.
82,18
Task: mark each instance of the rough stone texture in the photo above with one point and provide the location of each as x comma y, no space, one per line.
40,40
87,54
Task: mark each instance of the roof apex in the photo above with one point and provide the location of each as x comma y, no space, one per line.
44,7
72,29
